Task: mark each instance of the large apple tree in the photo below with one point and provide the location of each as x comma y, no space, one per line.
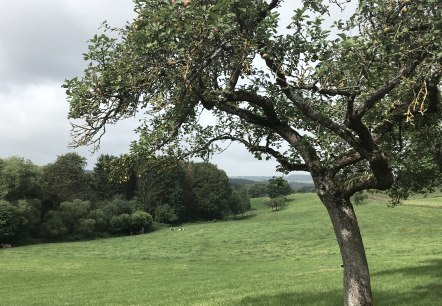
355,102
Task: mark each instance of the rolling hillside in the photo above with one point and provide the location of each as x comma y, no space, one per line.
281,258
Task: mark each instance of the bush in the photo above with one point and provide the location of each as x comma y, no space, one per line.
14,220
165,214
239,202
117,206
134,223
277,203
359,198
86,227
99,216
72,212
53,227
140,221
120,224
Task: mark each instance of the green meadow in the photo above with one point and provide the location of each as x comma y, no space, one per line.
288,257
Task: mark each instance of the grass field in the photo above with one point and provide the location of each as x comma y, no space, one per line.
281,258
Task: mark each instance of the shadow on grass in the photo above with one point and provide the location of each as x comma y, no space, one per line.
244,217
428,294
297,298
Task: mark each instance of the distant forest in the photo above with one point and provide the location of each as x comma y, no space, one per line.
63,201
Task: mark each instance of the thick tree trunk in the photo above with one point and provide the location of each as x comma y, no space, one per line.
357,288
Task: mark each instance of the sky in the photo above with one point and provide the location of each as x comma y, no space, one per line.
41,45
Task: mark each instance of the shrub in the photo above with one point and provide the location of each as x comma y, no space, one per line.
120,224
277,203
53,227
140,221
14,220
165,214
86,227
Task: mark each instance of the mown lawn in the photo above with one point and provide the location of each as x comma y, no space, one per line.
274,258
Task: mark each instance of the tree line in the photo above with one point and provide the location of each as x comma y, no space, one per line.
63,201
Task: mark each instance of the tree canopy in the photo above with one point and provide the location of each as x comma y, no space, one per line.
278,187
62,201
338,100
356,103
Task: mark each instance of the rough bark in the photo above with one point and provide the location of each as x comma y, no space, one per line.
357,288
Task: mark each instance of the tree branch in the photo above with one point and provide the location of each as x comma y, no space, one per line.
386,88
328,91
349,158
381,177
246,115
282,160
264,13
263,102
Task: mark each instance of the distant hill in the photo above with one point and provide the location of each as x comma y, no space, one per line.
300,178
296,177
241,181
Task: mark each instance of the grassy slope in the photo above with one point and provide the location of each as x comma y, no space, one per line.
283,258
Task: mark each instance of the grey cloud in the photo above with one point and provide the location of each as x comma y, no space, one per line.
44,40
41,44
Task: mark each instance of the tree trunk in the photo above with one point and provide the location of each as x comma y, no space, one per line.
357,288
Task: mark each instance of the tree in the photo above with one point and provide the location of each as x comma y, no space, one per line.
64,180
19,179
140,221
73,212
117,206
108,182
259,189
14,220
101,224
239,201
211,190
276,203
278,187
165,214
53,226
161,188
358,108
104,187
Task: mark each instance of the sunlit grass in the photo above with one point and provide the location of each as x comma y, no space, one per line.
288,257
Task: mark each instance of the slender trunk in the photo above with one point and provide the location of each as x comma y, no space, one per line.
357,288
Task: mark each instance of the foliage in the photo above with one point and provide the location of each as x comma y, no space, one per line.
354,107
64,180
259,189
211,190
120,224
278,187
239,202
53,226
165,214
14,219
276,203
101,224
110,201
73,213
19,179
332,86
162,181
105,186
359,198
140,221
86,227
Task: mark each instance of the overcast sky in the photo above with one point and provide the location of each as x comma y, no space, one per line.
41,45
